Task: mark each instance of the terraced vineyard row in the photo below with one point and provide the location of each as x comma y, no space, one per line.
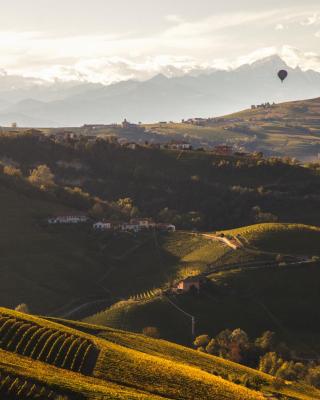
51,346
150,294
18,388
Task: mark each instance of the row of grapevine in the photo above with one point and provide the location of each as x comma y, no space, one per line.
48,345
150,294
18,388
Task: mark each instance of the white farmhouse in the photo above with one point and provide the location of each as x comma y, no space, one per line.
102,226
68,219
129,227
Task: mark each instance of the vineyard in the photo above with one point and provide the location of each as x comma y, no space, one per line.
280,237
51,346
129,367
148,295
13,387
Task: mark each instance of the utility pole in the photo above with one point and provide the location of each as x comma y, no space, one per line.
193,326
193,318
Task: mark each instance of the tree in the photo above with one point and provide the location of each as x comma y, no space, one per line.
97,211
266,341
239,345
151,331
292,371
42,176
212,347
23,308
126,205
270,363
12,171
201,341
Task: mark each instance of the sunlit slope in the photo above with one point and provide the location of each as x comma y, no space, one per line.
287,129
126,366
175,353
283,238
256,299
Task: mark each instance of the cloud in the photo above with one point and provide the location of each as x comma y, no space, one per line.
313,19
297,58
181,46
218,22
174,18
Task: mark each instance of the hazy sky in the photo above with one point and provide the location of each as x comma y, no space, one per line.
107,40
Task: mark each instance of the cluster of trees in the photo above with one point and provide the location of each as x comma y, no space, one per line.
160,185
265,353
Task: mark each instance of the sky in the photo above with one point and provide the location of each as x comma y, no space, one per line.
112,40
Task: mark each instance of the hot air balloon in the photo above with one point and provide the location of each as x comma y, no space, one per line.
282,74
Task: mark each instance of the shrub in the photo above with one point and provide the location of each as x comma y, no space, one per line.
313,377
23,308
151,331
12,171
42,176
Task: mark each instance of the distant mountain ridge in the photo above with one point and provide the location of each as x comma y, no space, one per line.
159,98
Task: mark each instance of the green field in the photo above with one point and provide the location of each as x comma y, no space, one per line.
132,367
283,238
51,267
278,298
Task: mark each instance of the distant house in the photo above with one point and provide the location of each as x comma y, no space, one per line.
68,219
177,145
103,226
190,283
135,225
128,125
197,121
129,227
166,227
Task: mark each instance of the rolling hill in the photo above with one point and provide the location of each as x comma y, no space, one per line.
248,288
284,129
49,360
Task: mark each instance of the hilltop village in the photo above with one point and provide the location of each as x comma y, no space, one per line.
134,225
135,136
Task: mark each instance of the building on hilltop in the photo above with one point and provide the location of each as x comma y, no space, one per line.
166,227
68,219
190,283
103,226
135,225
179,145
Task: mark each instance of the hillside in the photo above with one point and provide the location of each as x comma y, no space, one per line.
285,129
192,189
42,267
44,359
252,294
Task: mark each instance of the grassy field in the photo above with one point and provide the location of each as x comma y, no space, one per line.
283,238
43,267
280,299
131,366
50,267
